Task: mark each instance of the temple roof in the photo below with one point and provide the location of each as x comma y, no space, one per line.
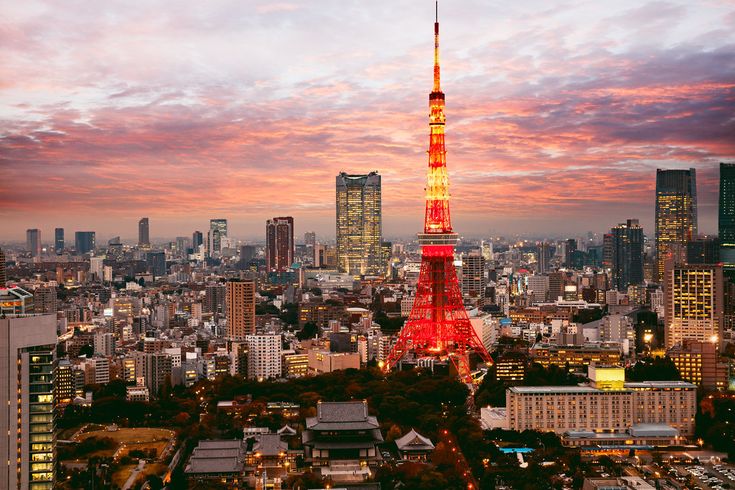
413,441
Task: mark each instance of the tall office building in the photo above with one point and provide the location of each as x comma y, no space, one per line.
197,239
359,224
726,222
676,213
543,257
626,254
473,277
3,272
214,298
143,233
694,303
84,242
217,231
156,262
570,246
59,241
27,379
33,241
240,309
279,243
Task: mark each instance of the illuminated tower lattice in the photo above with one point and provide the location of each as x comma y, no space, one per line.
438,325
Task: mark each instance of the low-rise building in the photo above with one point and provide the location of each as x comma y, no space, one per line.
414,447
220,461
342,440
604,407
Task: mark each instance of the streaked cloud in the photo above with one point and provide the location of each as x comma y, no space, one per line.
558,114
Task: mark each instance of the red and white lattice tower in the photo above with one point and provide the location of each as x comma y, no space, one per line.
438,325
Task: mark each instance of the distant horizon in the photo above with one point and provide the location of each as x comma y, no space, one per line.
558,114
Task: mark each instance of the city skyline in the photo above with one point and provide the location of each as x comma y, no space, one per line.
206,112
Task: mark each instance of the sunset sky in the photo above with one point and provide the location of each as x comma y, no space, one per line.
558,112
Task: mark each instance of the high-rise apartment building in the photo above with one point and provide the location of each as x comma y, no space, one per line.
626,254
214,298
33,241
240,309
44,300
217,231
676,213
726,215
27,379
84,242
359,224
279,243
473,277
144,239
264,356
694,303
59,241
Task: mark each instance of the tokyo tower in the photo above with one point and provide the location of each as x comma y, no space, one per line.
438,325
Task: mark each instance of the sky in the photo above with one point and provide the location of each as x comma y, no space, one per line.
558,112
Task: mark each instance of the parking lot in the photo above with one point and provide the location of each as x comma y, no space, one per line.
712,476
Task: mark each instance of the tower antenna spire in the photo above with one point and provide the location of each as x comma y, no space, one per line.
437,85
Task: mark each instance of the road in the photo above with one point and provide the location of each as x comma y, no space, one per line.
134,475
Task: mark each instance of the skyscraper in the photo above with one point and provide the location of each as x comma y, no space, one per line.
310,239
473,277
217,231
279,243
197,238
156,262
544,257
33,241
59,241
676,213
143,233
694,303
27,377
570,246
359,224
726,222
626,254
84,242
240,309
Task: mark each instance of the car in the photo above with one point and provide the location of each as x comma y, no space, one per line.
386,454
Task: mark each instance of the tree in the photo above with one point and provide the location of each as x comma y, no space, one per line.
309,331
653,369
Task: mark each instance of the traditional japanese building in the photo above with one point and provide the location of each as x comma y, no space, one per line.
342,440
414,447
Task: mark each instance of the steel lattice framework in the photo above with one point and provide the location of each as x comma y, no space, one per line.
438,325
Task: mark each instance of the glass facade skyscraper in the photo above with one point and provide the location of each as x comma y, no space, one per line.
676,213
626,254
726,221
59,241
359,224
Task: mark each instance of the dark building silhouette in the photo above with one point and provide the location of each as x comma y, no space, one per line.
626,254
726,221
59,241
84,242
